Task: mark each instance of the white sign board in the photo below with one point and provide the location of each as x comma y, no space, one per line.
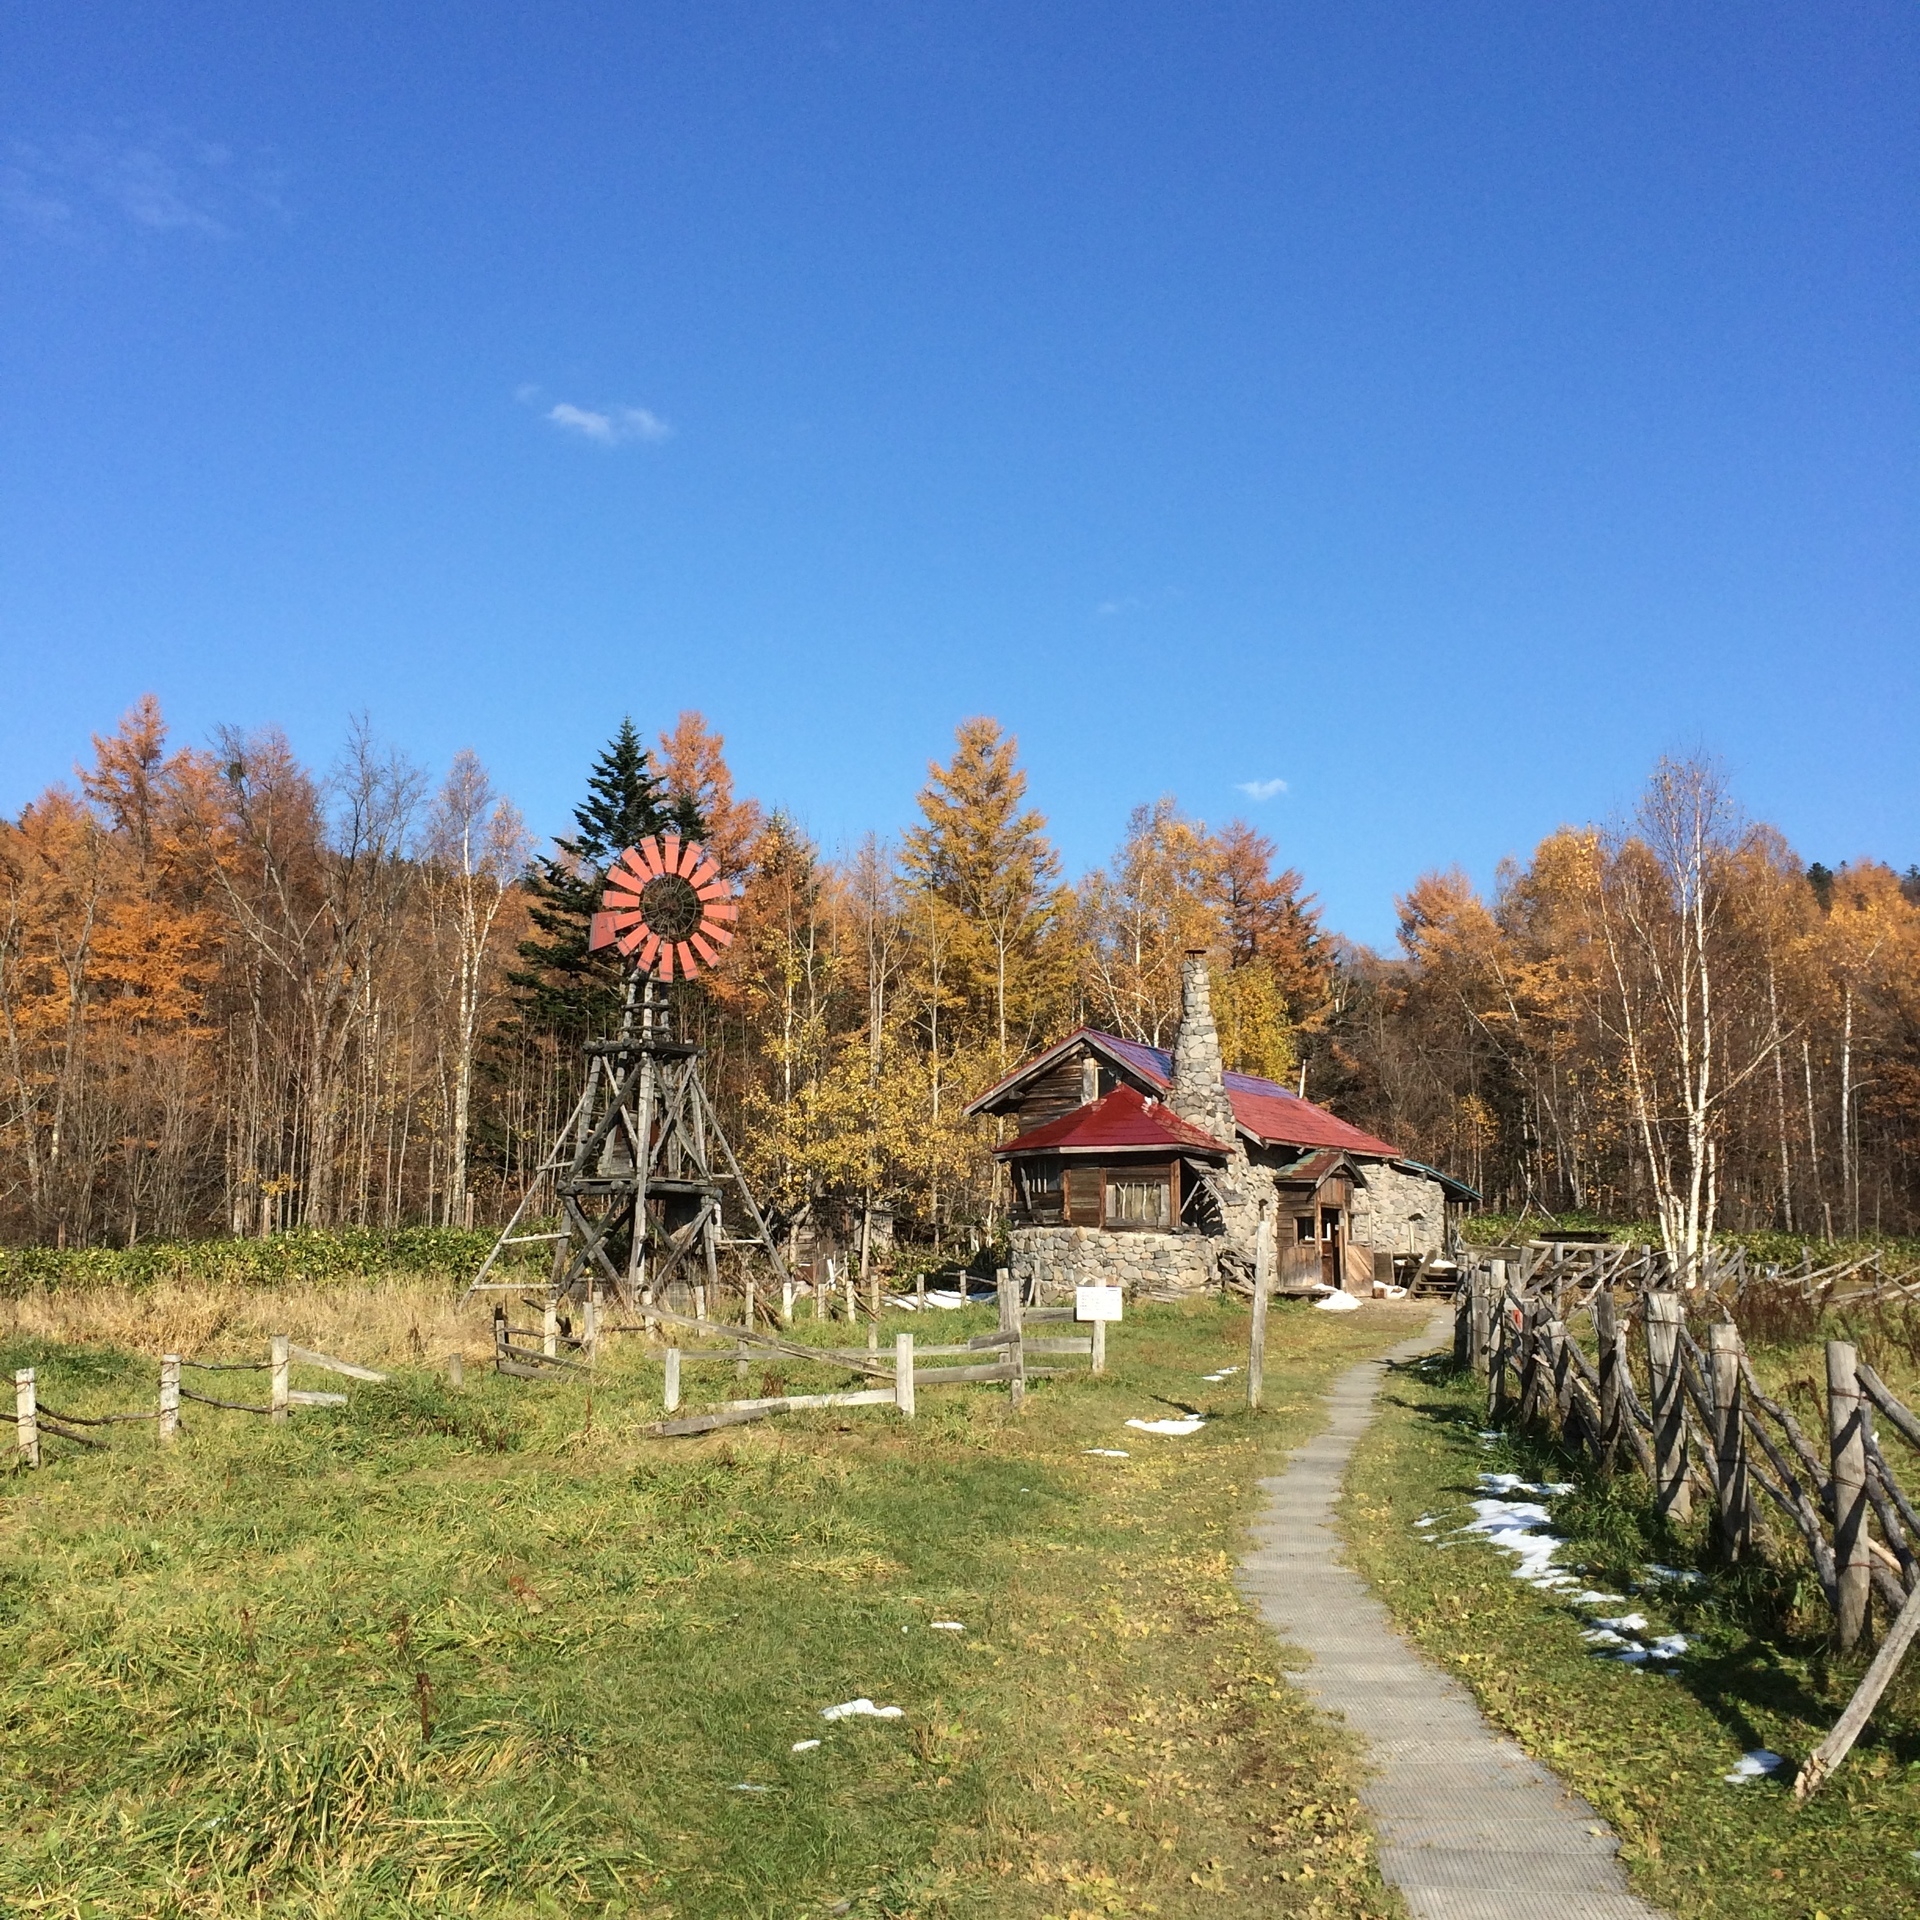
1096,1303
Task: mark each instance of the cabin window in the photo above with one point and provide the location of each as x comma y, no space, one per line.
1041,1185
1303,1226
1137,1200
1083,1196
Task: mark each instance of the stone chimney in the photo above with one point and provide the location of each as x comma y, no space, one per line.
1199,1091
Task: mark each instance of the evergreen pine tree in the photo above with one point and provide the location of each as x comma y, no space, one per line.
561,987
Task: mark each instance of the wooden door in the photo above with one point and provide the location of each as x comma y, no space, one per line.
1331,1223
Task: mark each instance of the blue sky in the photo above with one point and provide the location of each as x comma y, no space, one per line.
1442,410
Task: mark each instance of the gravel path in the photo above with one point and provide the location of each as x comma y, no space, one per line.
1470,1828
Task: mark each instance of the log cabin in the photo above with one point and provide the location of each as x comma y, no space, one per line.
1148,1169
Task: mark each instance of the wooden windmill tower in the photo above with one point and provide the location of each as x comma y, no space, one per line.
642,1169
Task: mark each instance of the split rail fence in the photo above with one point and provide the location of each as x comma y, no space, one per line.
1704,1425
901,1372
34,1420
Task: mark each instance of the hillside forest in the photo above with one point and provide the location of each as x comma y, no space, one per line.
240,994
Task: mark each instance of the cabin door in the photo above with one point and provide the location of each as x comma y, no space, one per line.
1330,1221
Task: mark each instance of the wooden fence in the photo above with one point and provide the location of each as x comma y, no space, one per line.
562,1352
1702,1425
34,1419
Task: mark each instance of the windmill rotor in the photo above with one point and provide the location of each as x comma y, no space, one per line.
666,907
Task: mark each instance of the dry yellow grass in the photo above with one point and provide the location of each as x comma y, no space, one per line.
384,1320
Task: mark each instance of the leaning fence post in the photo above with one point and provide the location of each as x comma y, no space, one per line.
1847,1432
26,1418
1672,1496
903,1374
1606,1335
1730,1439
1478,1283
1262,1285
1462,1323
670,1395
169,1396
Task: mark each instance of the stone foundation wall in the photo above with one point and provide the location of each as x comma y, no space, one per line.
1399,1212
1145,1265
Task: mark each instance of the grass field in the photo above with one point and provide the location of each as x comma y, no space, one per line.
493,1651
1651,1749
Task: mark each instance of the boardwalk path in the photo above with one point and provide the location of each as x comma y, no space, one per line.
1470,1828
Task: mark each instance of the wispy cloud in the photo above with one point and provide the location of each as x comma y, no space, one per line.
164,182
1260,789
609,426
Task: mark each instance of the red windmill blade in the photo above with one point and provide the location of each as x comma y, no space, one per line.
667,907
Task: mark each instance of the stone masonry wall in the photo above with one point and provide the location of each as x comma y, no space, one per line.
1399,1212
1146,1265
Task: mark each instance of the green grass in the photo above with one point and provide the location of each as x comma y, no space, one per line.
1649,1749
496,1652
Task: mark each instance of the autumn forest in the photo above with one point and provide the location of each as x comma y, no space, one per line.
240,994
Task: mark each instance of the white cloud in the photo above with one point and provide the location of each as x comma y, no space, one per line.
609,426
1260,789
163,183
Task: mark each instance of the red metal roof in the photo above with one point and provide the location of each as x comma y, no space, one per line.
1121,1120
1264,1108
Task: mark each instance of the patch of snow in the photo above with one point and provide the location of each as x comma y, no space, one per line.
861,1709
1594,1598
1178,1428
1108,1453
946,1626
1426,1520
1627,1623
1756,1766
746,1786
805,1746
1338,1303
1677,1576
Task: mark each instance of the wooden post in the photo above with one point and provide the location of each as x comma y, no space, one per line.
1529,1362
873,1314
1462,1324
699,1303
1479,1283
1730,1440
751,1302
920,1291
1497,1365
1613,1358
650,1326
169,1396
671,1396
281,1361
1016,1349
1847,1433
550,1329
499,1330
786,1303
26,1418
1099,1362
590,1326
903,1374
1262,1287
740,1363
1562,1363
1836,1746
820,1298
456,1371
1671,1494
851,1295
